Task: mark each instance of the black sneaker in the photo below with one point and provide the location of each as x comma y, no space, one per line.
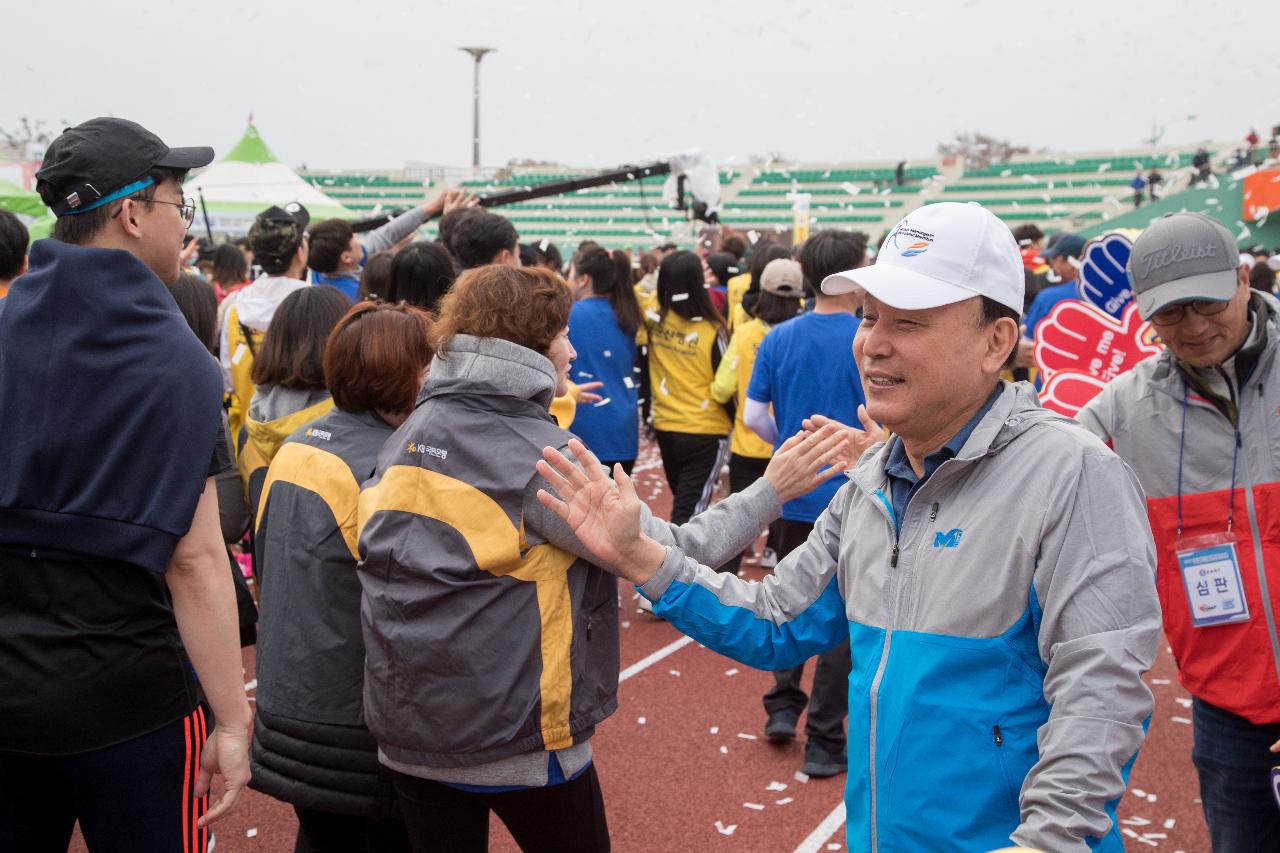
820,764
781,727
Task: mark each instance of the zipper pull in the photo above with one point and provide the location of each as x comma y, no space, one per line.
933,514
999,737
1238,441
893,561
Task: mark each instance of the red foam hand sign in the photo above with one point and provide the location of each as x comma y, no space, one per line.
1086,344
1068,390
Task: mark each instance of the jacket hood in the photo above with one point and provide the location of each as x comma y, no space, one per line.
275,412
491,366
1014,412
257,302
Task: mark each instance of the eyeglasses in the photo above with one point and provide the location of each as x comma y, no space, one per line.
1174,313
186,207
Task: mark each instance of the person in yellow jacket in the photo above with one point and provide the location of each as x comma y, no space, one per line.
685,336
279,242
739,309
781,298
288,374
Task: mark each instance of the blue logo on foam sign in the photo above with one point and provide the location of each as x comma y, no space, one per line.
950,539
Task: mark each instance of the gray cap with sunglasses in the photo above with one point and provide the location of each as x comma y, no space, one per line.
1183,257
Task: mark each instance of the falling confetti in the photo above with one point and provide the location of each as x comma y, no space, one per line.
731,672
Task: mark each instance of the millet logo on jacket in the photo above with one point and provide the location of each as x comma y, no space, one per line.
950,539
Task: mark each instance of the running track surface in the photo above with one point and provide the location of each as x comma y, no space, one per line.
684,766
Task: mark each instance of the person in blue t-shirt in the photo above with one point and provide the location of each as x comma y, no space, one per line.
803,369
602,328
1063,256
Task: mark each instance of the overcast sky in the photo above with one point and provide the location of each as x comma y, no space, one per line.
599,82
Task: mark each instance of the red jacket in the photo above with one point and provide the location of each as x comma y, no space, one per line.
1141,415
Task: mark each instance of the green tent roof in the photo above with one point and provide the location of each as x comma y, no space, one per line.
1224,203
251,149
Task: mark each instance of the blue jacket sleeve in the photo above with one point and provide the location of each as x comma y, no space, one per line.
780,622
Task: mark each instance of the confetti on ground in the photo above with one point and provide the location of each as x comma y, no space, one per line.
1151,798
801,777
753,806
1183,720
1160,681
733,671
1186,703
1168,824
715,730
746,736
777,786
1135,820
724,750
834,846
1139,793
674,672
252,833
640,720
784,801
725,830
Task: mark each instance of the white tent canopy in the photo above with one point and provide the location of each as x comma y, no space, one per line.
248,181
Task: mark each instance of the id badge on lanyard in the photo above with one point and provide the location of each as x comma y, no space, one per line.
1211,577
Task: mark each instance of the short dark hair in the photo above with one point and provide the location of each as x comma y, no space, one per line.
478,239
375,278
13,245
989,312
328,239
230,266
774,309
734,245
830,252
528,306
292,352
449,224
421,274
375,356
79,228
199,305
1029,232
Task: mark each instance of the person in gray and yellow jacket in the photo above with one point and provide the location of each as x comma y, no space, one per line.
1200,424
990,565
310,745
288,378
491,644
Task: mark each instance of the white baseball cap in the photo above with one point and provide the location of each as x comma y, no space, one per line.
939,254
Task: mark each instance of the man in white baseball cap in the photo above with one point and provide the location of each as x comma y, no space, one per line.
990,564
1198,424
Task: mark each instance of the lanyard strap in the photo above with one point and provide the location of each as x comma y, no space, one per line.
1235,457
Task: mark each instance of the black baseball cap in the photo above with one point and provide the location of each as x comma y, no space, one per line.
104,159
1070,245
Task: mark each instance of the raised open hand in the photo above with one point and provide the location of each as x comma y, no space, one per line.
806,460
1104,279
604,514
857,441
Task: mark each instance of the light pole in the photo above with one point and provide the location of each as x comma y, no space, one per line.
477,53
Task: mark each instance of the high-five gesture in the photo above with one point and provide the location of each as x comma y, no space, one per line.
605,518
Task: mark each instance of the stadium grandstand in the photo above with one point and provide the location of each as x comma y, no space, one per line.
1081,191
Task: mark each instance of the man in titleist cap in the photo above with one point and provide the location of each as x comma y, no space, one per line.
990,564
1199,423
116,585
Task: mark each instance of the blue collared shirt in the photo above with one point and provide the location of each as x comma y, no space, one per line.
903,482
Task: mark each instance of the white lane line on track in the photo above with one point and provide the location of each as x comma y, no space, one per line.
819,837
645,663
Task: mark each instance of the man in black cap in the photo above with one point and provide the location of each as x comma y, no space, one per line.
278,238
118,632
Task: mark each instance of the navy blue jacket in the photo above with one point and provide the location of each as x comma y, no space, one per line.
109,408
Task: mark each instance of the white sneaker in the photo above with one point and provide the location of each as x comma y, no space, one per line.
768,558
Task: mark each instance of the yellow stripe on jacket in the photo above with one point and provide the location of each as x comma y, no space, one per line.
323,474
497,548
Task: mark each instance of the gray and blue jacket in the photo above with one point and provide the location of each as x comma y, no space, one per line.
998,638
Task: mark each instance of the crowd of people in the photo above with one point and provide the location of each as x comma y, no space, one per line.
402,469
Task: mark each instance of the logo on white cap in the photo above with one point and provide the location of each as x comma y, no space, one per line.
908,241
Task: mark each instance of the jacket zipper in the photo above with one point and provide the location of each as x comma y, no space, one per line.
999,737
